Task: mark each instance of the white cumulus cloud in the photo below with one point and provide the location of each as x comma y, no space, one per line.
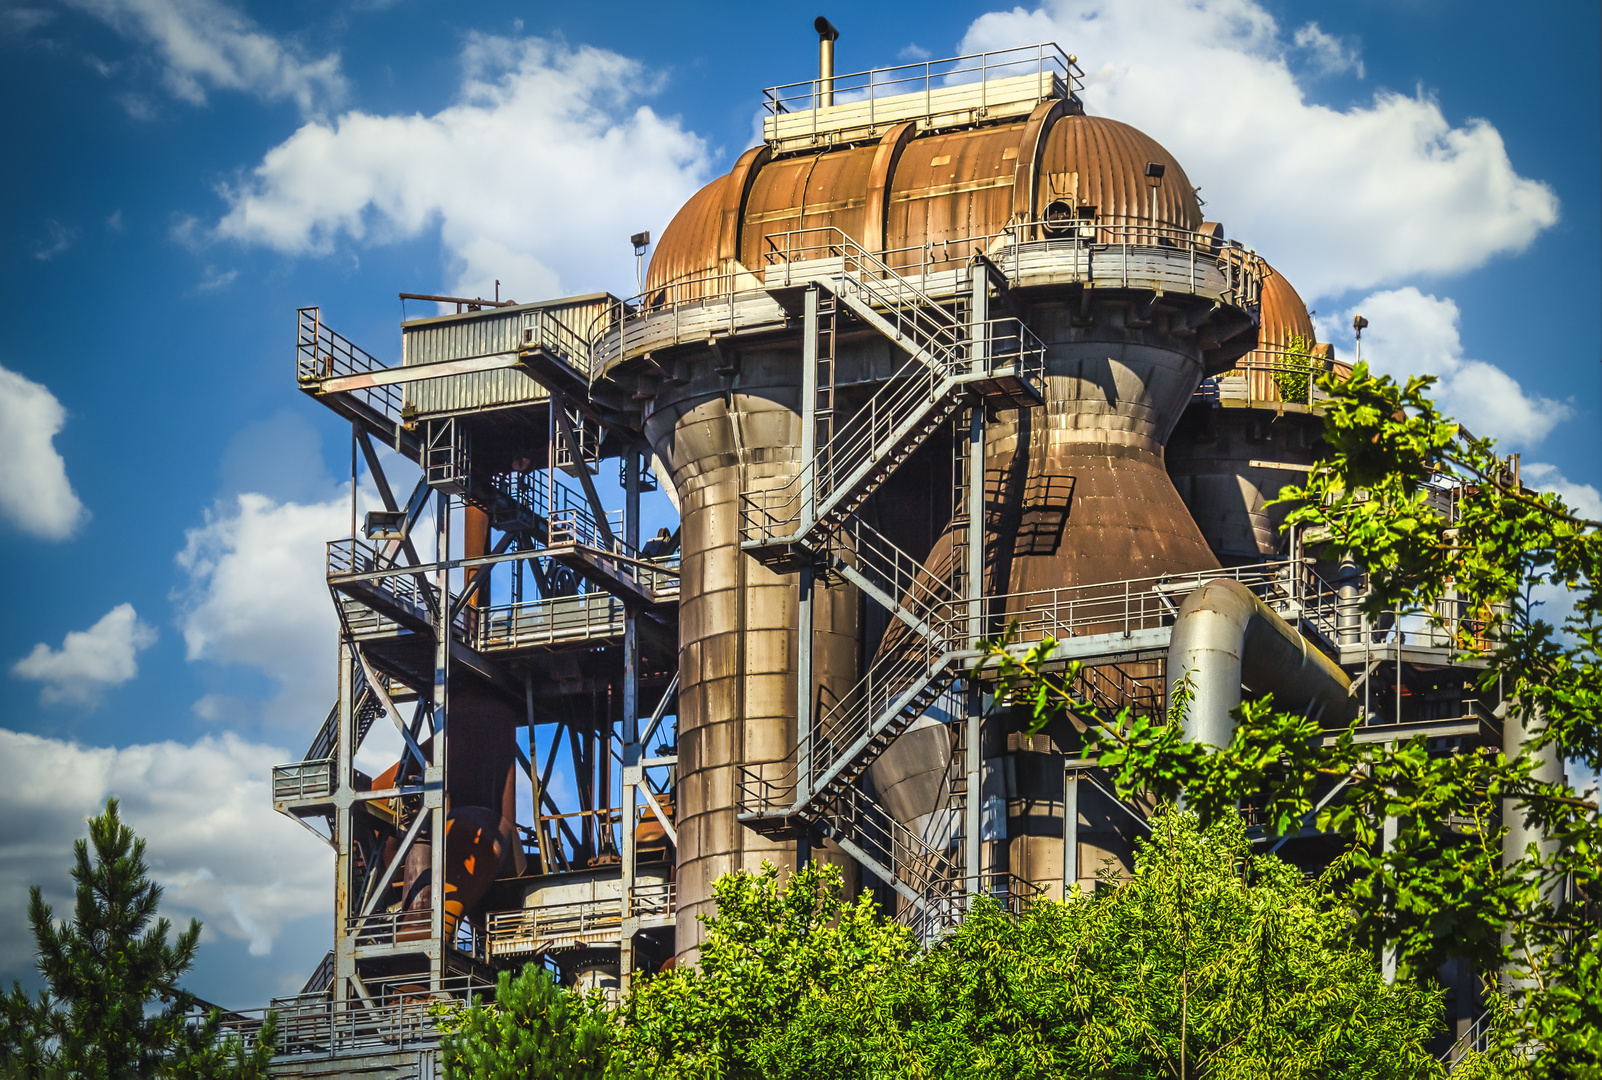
1328,54
1584,499
536,176
89,661
208,45
255,594
214,842
1414,333
35,494
1337,198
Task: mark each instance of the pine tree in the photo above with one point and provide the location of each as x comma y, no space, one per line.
104,972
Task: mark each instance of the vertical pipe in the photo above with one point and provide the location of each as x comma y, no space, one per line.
1070,831
1518,728
353,442
805,680
975,572
434,778
973,797
1348,619
475,542
975,553
631,725
827,35
1387,842
978,332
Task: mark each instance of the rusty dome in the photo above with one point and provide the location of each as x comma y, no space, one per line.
1284,315
908,195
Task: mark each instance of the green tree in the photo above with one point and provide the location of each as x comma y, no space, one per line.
533,1030
1208,963
771,953
1441,889
106,973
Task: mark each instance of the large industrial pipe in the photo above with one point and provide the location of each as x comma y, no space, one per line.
827,35
1225,637
1518,726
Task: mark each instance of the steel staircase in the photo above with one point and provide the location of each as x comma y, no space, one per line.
918,658
954,355
368,709
949,358
923,875
1109,688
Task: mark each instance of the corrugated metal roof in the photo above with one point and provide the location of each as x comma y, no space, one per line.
1094,161
942,189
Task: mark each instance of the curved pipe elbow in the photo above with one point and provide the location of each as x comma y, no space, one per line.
1225,638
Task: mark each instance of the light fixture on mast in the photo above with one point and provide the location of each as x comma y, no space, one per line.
641,241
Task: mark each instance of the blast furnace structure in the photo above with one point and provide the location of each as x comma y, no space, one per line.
942,356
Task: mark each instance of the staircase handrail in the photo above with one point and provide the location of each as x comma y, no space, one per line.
864,269
775,513
919,588
861,819
892,683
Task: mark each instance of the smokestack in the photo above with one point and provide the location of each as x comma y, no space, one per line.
827,35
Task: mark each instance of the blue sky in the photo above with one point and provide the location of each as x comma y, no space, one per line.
184,173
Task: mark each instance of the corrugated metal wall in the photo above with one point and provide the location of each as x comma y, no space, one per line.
487,333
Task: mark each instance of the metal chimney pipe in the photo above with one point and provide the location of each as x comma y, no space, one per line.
1224,636
827,35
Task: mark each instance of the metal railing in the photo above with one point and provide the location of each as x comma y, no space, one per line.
390,927
1109,688
560,620
944,909
1273,373
1100,251
914,655
920,589
863,90
321,354
657,899
578,528
397,1016
553,926
1476,1039
915,315
543,330
942,357
349,556
898,686
312,779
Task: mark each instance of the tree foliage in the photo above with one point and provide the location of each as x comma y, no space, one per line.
1440,889
106,972
771,953
534,1030
1208,955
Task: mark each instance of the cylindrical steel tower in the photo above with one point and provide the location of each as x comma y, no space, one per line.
1112,267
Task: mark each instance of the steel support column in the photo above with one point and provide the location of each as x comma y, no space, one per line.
344,833
434,773
632,772
974,574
